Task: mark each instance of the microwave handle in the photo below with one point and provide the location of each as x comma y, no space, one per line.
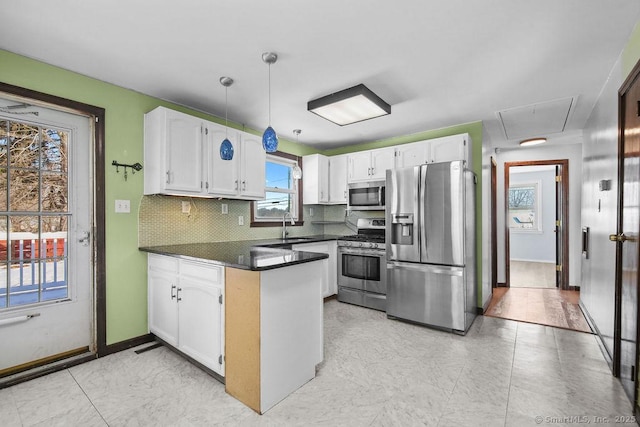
380,201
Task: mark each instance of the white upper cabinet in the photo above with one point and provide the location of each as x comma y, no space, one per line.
414,154
370,165
252,172
338,179
445,149
182,157
241,177
315,180
449,148
172,153
224,177
325,179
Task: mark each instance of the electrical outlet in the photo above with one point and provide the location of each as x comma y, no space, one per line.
186,207
310,211
225,208
123,206
240,220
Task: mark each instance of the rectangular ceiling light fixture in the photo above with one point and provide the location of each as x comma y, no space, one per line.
349,106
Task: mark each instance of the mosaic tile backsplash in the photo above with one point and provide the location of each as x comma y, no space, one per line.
161,221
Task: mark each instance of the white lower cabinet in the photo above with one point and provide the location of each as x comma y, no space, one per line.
330,271
186,307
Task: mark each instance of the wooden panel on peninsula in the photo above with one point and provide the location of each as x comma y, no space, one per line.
274,332
242,352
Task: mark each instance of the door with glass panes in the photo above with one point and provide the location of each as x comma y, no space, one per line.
45,242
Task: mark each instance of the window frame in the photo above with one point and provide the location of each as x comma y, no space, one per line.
537,208
299,219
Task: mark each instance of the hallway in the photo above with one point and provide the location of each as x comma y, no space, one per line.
550,307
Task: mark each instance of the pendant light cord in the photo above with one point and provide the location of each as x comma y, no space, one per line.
226,110
269,94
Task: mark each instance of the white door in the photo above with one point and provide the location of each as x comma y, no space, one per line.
253,167
223,174
183,152
46,273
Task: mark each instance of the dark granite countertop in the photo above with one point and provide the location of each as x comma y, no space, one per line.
253,255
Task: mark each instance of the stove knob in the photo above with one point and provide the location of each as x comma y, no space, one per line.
361,244
374,245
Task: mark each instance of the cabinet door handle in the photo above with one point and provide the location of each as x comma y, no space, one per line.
178,294
236,185
168,177
172,294
244,185
368,171
373,171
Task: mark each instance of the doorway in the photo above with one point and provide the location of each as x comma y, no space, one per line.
537,223
51,231
531,219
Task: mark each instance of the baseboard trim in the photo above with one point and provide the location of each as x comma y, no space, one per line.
126,344
501,285
573,288
330,297
41,371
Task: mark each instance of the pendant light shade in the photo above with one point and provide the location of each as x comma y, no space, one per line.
269,137
226,147
296,173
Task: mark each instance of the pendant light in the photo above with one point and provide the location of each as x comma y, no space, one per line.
269,137
226,148
296,172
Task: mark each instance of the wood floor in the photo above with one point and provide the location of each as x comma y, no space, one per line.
550,307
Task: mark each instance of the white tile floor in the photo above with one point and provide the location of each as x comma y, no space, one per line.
377,372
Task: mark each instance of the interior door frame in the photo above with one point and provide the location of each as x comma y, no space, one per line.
99,212
494,223
633,76
564,235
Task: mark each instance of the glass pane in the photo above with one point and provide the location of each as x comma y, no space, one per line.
24,141
54,150
53,248
278,176
4,254
522,207
3,285
23,190
24,280
4,140
54,192
275,205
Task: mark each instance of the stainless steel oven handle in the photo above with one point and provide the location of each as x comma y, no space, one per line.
361,251
455,271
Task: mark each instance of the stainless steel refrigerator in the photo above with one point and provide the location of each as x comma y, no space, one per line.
430,243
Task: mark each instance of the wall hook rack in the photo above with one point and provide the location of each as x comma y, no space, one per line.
136,167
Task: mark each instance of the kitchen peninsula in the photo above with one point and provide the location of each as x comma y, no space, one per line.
265,303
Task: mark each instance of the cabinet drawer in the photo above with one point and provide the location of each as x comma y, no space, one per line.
165,263
199,270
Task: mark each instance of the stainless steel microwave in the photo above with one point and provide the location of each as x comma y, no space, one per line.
366,196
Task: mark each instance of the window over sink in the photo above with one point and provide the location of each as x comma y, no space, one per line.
282,193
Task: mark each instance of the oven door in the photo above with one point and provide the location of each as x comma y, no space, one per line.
362,269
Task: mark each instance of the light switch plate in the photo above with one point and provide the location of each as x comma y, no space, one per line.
240,220
186,207
225,208
123,206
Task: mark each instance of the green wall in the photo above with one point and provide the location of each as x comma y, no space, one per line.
126,293
631,52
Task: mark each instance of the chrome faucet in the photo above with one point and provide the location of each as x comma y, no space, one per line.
284,224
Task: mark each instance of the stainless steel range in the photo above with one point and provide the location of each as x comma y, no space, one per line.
362,261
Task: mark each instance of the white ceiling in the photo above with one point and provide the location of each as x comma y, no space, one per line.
438,63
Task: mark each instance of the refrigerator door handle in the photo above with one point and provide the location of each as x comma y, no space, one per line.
421,267
422,231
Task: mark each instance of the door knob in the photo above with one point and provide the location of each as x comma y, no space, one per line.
622,238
